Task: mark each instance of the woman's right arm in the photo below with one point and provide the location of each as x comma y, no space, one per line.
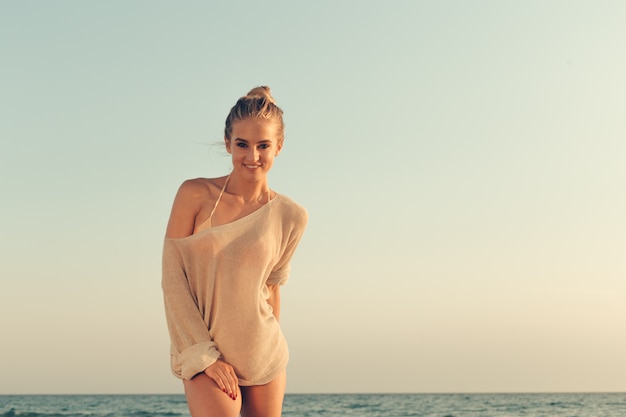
187,204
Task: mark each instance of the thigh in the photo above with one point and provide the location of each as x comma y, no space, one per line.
206,399
264,400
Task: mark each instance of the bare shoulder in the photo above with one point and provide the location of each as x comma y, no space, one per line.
191,197
195,188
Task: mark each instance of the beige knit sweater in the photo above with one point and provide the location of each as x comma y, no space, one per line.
214,285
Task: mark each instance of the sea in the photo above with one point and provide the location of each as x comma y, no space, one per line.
331,405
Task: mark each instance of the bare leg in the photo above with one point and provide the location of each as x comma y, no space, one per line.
264,400
205,399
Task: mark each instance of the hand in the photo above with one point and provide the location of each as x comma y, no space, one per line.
224,376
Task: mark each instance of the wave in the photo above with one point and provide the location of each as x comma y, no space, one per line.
137,413
13,413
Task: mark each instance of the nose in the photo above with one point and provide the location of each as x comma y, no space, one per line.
253,154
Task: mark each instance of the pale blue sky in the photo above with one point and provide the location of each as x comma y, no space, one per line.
462,164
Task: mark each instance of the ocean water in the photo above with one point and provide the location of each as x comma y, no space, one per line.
327,405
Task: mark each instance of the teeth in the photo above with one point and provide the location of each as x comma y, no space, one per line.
251,166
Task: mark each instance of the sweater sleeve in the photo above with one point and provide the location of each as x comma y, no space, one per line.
280,272
192,349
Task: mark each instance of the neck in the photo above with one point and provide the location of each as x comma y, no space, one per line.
251,192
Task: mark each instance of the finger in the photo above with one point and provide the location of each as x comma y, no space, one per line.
218,379
231,381
226,383
229,385
219,382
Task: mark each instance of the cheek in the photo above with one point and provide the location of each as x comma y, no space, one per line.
237,152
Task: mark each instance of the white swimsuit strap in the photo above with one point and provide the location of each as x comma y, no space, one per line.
219,198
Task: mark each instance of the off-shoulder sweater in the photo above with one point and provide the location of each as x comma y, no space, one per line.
215,290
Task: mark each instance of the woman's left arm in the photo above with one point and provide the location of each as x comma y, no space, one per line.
274,299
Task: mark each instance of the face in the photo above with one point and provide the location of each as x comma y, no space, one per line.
253,145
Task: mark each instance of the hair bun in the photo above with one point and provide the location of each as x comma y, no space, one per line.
257,104
262,92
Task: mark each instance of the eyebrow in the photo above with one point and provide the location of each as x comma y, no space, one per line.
246,140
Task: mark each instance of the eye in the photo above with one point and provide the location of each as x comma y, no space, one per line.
241,145
264,146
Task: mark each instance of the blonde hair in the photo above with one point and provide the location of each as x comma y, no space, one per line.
257,104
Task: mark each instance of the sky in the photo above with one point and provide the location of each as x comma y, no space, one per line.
462,163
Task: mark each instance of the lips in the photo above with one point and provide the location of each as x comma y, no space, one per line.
251,166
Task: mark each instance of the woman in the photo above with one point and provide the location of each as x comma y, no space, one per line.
227,250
